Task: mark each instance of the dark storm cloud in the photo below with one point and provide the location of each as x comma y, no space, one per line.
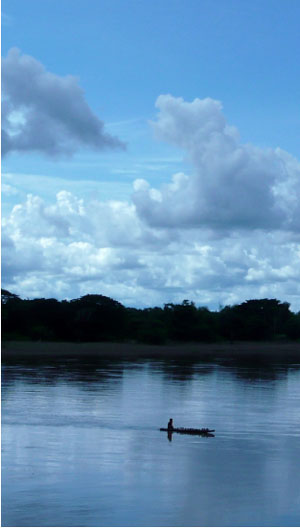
46,113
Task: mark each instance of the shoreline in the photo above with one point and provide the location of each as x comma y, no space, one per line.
108,350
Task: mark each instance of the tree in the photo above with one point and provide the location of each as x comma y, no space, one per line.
7,296
256,319
97,318
182,320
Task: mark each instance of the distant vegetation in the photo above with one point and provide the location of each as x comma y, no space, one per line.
99,318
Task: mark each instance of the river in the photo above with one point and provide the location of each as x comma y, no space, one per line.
81,444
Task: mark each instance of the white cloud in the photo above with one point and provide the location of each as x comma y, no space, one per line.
47,187
74,246
46,113
7,189
227,232
231,185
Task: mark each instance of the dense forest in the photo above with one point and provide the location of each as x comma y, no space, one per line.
100,318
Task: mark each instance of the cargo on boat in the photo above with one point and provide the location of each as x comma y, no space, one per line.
190,431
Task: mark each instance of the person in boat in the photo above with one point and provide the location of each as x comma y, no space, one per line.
170,425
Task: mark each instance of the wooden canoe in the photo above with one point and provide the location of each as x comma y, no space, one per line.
190,431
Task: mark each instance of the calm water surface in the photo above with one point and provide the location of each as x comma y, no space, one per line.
81,445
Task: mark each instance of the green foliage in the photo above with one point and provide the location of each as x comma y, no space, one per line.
97,318
147,326
292,327
254,320
185,322
100,318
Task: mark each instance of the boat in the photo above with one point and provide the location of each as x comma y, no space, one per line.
189,430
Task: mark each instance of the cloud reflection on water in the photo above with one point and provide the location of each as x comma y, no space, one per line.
81,441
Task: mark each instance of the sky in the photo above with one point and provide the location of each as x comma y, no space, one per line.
150,150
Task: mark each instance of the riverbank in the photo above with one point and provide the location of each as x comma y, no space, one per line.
199,351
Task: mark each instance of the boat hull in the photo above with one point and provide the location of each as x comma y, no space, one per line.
189,431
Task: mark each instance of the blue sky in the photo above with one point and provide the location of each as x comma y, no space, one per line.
186,237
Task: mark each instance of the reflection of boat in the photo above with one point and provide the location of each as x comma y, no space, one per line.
190,431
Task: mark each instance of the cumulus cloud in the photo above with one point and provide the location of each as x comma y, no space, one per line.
225,232
74,246
46,113
231,185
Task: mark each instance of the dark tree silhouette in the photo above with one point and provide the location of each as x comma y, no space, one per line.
100,318
257,319
97,318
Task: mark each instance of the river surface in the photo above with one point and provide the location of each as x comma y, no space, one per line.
81,444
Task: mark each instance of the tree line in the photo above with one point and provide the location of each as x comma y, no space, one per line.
100,318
